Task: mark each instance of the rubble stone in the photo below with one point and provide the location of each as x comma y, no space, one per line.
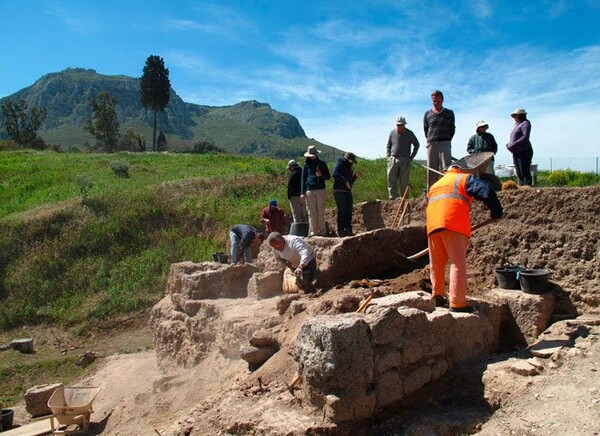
36,399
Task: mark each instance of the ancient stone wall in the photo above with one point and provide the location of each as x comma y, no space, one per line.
355,365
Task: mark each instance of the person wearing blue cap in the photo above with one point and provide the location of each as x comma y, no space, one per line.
273,218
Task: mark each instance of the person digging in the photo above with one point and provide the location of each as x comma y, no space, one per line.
449,229
295,253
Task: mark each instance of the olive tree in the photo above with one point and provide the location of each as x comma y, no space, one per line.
20,125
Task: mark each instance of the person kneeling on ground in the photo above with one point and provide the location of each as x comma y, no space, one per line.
292,251
244,237
449,230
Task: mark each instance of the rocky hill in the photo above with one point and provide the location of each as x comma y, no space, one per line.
249,127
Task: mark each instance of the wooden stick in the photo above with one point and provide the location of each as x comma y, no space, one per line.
402,216
364,305
394,221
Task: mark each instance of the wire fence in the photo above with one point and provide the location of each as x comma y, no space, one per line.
590,164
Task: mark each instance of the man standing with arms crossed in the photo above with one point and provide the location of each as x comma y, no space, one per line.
399,157
439,127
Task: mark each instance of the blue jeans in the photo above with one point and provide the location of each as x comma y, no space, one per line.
344,202
235,247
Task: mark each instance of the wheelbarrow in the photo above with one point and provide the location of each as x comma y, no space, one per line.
71,406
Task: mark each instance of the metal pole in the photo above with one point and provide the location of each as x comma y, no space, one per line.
550,164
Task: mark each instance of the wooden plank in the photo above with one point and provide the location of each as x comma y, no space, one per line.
36,428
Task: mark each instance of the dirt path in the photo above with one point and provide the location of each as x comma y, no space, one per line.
137,397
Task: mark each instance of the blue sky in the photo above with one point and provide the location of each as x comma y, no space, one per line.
344,69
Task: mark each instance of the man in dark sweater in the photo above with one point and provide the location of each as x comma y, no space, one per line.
399,155
439,127
294,187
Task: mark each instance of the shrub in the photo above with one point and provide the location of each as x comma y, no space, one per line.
85,183
120,168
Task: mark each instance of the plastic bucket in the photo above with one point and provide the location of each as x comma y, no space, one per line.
508,276
7,419
299,229
220,257
534,281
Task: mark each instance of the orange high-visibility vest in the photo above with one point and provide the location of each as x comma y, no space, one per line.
449,205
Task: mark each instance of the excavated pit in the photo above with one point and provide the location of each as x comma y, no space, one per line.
363,367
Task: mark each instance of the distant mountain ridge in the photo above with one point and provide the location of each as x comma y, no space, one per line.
249,127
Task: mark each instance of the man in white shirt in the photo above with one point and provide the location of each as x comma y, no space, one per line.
292,251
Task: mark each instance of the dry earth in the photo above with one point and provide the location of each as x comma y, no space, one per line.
554,229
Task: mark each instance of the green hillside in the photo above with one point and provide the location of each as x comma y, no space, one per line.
73,260
248,127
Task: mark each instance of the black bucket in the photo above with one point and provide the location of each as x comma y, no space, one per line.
534,281
299,229
508,276
7,419
220,257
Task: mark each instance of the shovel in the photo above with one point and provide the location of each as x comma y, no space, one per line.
426,250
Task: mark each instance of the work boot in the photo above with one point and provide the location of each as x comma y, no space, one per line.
440,301
466,309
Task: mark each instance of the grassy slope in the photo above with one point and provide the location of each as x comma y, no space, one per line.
71,260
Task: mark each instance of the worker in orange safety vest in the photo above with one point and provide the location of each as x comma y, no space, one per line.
449,230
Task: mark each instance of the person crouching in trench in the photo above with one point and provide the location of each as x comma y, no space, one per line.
295,253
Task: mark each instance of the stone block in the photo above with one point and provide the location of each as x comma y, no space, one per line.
412,352
388,388
416,300
265,285
209,280
334,353
388,359
441,327
522,367
256,356
531,312
473,336
417,379
439,368
36,399
341,408
416,324
386,324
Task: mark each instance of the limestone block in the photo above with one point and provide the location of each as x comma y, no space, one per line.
284,302
416,324
522,367
388,388
387,359
297,307
412,352
473,336
256,356
36,399
265,285
441,327
263,338
386,324
531,312
342,408
417,379
417,300
208,280
335,353
439,368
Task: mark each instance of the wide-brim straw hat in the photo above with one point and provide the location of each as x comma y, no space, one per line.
312,151
519,111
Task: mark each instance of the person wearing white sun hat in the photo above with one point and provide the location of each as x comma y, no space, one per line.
520,146
481,141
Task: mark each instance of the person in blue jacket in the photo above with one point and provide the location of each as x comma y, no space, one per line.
343,180
314,174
